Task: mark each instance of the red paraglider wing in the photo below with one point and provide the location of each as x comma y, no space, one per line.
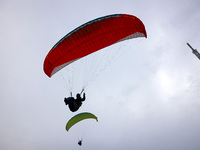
91,37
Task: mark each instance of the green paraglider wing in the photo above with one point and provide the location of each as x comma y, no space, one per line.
79,117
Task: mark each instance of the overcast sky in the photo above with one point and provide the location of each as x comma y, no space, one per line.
148,99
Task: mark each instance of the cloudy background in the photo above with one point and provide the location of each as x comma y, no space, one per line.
148,99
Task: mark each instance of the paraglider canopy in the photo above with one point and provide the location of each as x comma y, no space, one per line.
91,37
79,117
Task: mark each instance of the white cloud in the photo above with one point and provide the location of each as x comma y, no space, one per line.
171,84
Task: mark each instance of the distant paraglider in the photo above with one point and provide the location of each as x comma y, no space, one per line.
77,118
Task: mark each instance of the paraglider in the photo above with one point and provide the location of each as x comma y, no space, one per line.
74,104
79,117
